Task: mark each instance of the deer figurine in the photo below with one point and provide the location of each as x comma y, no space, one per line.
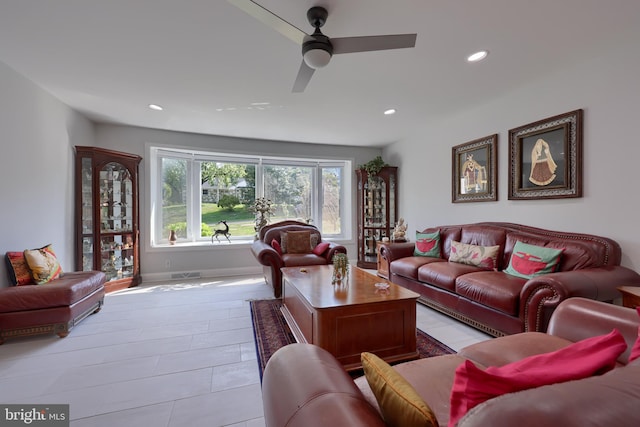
224,232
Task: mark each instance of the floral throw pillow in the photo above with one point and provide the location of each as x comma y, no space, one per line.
298,242
427,244
43,264
481,256
285,245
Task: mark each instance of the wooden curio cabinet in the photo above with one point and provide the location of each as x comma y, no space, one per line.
377,212
107,218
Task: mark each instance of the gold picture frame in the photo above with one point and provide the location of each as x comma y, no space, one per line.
474,176
545,158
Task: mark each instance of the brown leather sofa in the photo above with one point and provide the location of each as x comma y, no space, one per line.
304,385
499,303
54,307
272,261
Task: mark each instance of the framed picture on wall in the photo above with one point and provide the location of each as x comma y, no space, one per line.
545,158
474,171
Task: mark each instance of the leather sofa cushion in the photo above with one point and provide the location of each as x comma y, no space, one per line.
511,348
431,378
494,289
408,267
295,260
274,233
576,255
63,291
610,399
444,274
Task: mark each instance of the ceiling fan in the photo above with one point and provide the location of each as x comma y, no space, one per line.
317,48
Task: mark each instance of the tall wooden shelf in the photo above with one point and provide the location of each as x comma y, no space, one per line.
107,215
377,211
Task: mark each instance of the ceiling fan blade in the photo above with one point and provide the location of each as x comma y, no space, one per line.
302,80
269,18
368,43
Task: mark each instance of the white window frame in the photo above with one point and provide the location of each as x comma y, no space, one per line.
194,189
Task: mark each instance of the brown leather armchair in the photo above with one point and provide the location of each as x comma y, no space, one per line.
272,261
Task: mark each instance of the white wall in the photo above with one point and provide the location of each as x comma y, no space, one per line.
608,90
37,136
209,260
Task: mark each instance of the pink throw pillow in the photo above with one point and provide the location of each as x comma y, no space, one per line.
635,350
320,248
275,245
583,359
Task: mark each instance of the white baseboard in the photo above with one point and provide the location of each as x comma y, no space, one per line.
218,272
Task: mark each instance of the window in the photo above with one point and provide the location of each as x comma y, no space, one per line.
193,192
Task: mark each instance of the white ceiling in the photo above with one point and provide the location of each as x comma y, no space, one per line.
207,62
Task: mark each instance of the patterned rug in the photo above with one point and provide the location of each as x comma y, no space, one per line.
272,332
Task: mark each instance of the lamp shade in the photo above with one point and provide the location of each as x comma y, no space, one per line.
316,58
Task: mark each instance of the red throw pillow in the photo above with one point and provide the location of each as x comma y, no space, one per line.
635,350
583,359
275,245
320,248
19,272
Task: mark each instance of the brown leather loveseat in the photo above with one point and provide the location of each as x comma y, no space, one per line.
304,385
500,303
272,260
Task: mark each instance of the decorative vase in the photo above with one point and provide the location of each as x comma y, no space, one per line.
172,237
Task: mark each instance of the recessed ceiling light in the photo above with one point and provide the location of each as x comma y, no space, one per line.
478,56
155,107
390,111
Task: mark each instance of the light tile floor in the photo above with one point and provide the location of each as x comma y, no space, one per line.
163,355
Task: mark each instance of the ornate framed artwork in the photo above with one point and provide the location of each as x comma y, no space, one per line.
474,177
545,158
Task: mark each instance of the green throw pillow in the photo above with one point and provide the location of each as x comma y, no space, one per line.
528,261
427,244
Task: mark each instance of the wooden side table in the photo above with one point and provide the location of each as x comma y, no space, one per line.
630,296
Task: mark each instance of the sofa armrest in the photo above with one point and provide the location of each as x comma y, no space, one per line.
578,318
305,386
542,294
397,251
266,255
333,249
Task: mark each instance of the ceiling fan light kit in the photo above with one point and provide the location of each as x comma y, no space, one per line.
317,48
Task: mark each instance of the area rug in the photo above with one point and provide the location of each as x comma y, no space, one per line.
272,332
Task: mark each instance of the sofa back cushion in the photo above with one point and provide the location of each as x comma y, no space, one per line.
448,234
274,233
576,255
482,235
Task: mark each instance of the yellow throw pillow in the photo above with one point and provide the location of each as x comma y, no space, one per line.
43,264
400,404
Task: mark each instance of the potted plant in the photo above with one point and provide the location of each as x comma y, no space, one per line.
373,167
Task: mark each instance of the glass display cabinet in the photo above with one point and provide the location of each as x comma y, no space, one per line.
377,212
107,219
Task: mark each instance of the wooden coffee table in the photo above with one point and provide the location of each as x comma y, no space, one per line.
350,318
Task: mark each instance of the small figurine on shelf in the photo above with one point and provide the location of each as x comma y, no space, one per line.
399,231
340,268
172,237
